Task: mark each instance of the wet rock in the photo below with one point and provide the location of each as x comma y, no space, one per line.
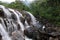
22,20
17,35
50,30
33,33
42,35
14,17
53,38
0,37
2,13
29,32
27,16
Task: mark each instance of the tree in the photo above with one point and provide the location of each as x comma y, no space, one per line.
47,10
18,5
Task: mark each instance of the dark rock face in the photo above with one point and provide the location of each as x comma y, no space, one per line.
50,30
53,38
29,32
35,34
14,17
27,16
22,20
1,13
0,37
17,35
42,35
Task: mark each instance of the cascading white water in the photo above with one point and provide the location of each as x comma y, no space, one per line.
19,13
2,22
26,24
4,34
32,18
7,13
18,19
34,21
13,24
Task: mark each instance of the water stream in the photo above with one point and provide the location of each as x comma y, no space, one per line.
14,29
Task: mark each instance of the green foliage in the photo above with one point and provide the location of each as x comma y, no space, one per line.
49,9
18,5
5,4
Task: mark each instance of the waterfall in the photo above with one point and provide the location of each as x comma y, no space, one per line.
12,27
5,10
26,24
4,34
19,13
32,18
2,22
34,21
18,19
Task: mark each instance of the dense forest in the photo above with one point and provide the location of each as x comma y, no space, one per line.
46,11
